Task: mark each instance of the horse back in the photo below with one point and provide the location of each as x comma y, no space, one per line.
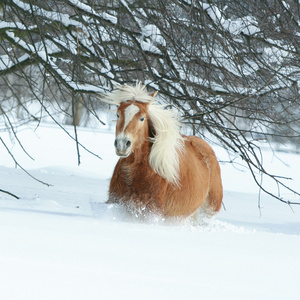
205,153
200,181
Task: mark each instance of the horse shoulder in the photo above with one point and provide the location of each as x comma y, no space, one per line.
137,183
117,186
147,182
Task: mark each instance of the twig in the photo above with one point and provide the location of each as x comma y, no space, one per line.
17,164
6,192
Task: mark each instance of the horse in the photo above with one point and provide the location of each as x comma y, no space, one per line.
160,171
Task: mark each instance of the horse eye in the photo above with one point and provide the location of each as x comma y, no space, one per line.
118,116
142,119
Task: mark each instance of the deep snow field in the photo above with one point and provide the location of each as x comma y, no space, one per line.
63,242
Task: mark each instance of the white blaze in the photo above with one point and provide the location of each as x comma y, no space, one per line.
129,113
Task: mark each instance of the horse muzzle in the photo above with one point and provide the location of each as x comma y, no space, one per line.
123,146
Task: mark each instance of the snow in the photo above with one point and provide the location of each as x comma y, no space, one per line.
63,242
43,54
154,34
7,25
7,63
89,9
248,24
53,16
149,47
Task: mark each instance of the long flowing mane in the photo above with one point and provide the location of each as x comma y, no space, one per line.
167,140
167,143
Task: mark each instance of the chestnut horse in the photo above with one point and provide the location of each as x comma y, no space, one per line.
160,171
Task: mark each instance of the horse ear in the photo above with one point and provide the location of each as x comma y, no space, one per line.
153,95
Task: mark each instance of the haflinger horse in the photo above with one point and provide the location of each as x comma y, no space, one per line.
160,172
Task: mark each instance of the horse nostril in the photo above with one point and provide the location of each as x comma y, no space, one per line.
116,143
128,143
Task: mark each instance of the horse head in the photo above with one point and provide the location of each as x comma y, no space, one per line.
132,128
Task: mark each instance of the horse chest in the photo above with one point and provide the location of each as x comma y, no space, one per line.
139,179
137,189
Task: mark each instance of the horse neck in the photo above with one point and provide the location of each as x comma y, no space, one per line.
141,154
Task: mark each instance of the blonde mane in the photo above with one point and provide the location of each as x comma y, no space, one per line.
168,143
127,92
